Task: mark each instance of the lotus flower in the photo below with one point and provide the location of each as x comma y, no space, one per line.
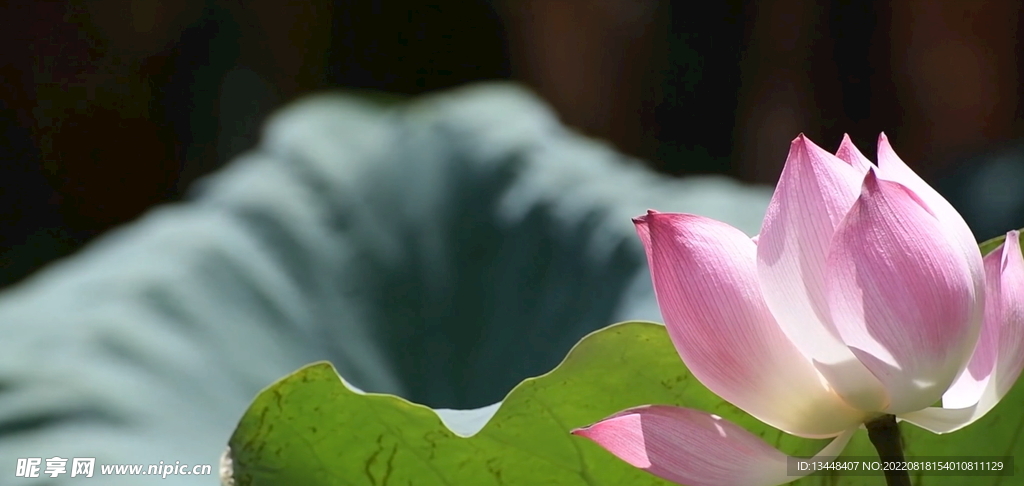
864,295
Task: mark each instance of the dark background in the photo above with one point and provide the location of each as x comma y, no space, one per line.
108,107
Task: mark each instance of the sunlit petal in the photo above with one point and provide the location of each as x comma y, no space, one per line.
849,153
815,191
997,361
901,295
892,168
695,448
705,282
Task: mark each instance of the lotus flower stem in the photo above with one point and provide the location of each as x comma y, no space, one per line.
884,433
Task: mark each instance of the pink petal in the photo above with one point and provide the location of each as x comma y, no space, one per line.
892,168
997,361
705,282
1010,360
691,447
849,153
1000,333
814,193
902,295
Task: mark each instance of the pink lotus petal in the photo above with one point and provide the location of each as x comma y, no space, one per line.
1010,360
814,193
705,281
892,168
901,295
849,153
999,358
691,447
1000,333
